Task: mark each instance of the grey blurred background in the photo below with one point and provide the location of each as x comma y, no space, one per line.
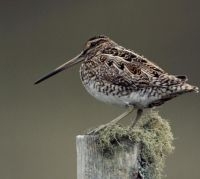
38,124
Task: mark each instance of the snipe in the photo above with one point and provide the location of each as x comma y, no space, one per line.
116,75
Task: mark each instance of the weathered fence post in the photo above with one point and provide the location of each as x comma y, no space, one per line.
120,153
93,164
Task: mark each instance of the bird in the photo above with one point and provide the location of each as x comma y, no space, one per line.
114,74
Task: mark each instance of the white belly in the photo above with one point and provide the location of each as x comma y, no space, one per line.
133,99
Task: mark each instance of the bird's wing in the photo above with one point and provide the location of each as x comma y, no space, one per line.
109,71
136,72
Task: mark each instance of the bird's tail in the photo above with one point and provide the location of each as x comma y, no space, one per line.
183,86
189,88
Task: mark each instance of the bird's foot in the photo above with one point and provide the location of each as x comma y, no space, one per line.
100,128
114,121
138,116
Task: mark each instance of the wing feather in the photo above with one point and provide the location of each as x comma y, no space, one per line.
133,73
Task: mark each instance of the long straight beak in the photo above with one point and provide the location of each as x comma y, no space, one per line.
65,66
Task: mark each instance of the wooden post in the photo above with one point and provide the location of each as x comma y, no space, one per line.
119,152
93,164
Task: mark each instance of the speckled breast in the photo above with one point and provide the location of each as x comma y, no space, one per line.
110,93
102,91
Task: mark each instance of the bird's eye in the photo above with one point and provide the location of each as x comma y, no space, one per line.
92,44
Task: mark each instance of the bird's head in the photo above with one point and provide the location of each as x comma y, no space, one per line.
96,41
91,44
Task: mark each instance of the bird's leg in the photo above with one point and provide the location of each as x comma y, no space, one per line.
139,114
114,121
117,119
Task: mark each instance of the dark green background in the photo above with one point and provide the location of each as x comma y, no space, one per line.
38,124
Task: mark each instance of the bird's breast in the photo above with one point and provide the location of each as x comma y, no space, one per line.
113,94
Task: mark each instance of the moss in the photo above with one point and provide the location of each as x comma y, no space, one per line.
154,135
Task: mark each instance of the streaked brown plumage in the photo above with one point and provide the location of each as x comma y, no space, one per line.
114,74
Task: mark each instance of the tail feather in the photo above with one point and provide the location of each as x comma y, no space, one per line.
195,89
183,86
190,88
182,77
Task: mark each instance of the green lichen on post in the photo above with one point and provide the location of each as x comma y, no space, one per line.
153,134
